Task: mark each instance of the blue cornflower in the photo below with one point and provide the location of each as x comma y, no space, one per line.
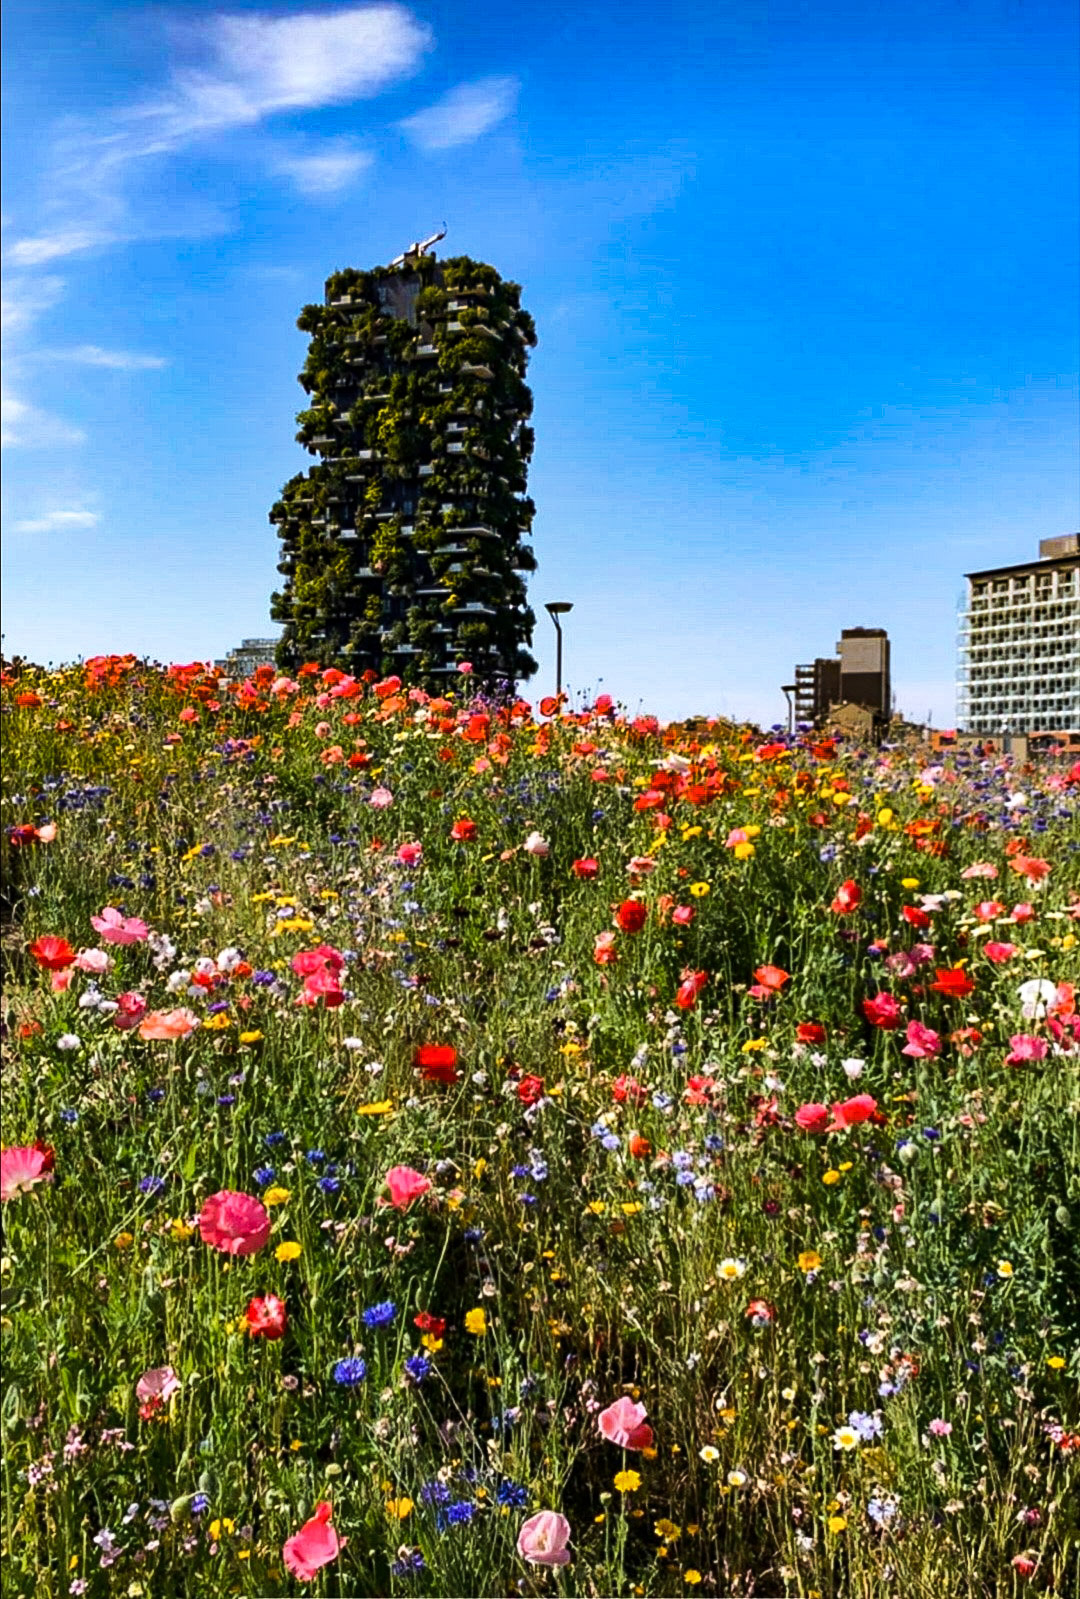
459,1514
418,1367
273,1138
408,1565
538,1171
610,1142
527,1199
263,1175
519,1171
380,1315
512,1494
315,1156
69,1116
682,1159
328,1185
434,1493
200,1504
473,1235
684,1178
868,1427
151,1185
713,1143
155,1095
263,978
349,1372
226,1099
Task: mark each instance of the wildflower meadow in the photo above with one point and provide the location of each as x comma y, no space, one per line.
458,1147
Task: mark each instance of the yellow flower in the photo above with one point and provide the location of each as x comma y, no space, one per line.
479,1168
627,1482
699,890
1004,1268
752,1045
692,1577
222,1526
124,1240
809,1260
741,852
191,854
837,1523
909,882
476,1322
259,899
277,839
830,1177
292,924
431,1343
288,1251
690,832
596,1206
218,1023
180,1231
631,1208
254,1037
377,1107
398,1509
1056,1362
667,1529
276,1196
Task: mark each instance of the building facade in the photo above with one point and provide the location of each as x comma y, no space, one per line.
403,550
248,654
1019,645
859,674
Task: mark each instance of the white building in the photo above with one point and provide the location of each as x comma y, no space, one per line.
1019,655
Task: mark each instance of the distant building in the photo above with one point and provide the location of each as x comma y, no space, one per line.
859,675
1019,645
248,654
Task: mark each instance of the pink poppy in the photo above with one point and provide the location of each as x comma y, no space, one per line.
543,1539
1000,952
940,1428
115,928
235,1223
850,1112
381,798
623,1424
1023,913
980,869
922,1042
22,1167
325,986
409,854
314,1546
164,1025
812,1118
93,960
159,1383
405,1185
131,1008
1025,1047
683,915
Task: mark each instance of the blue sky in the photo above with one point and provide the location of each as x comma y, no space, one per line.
804,278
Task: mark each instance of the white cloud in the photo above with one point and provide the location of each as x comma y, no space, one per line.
57,521
330,170
463,115
51,246
25,299
24,426
117,360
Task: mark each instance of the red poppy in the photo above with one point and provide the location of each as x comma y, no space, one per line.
585,868
812,1118
549,705
625,1089
689,989
51,953
848,898
463,830
639,1147
477,728
427,1323
915,917
882,1011
383,690
772,977
698,1090
810,1033
530,1089
437,1063
266,1317
630,916
651,800
760,1312
28,702
850,1112
953,982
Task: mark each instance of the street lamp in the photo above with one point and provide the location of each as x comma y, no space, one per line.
555,609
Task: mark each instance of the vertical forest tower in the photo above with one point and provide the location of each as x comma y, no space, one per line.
402,548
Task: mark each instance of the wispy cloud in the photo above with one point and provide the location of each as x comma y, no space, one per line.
463,115
44,247
117,360
326,171
25,299
57,521
25,426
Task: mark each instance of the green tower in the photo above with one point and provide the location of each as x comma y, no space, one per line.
403,549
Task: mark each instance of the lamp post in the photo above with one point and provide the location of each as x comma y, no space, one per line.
555,609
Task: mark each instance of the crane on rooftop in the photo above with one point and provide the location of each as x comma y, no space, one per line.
418,248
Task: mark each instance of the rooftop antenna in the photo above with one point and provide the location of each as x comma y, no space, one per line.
418,248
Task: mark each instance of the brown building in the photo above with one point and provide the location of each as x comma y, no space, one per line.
859,674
